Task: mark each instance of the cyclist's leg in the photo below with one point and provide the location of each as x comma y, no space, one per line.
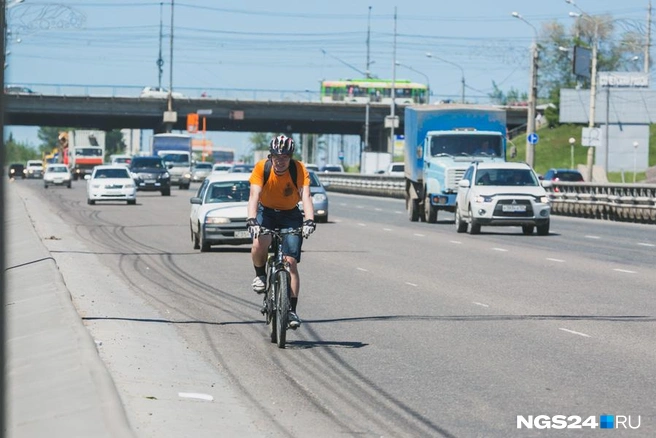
292,250
259,255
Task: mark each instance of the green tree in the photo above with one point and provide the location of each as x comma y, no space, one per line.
18,152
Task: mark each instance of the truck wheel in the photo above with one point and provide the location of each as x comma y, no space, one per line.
412,207
430,212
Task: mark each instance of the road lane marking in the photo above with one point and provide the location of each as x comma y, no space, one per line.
480,304
646,244
410,284
457,242
626,271
398,211
592,237
362,225
362,269
419,235
387,229
379,209
575,333
195,395
555,260
500,249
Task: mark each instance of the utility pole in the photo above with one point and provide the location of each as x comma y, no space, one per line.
368,74
393,104
593,94
160,61
171,61
530,127
648,42
3,246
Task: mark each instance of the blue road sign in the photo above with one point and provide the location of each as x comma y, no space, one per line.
533,138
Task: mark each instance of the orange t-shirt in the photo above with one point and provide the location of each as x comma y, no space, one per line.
280,192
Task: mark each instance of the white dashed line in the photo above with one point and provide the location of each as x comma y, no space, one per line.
410,284
574,333
500,249
362,225
626,271
360,206
592,237
399,212
646,244
555,260
457,242
379,209
419,235
387,229
480,304
362,269
195,395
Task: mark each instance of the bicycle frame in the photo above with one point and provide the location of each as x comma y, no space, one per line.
276,304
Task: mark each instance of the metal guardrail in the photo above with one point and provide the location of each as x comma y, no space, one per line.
616,202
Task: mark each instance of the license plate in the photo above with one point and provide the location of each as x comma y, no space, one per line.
150,181
242,234
514,208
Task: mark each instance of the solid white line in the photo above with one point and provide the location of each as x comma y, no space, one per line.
457,242
362,269
480,304
646,244
555,260
626,271
574,333
592,237
500,249
410,284
419,235
196,395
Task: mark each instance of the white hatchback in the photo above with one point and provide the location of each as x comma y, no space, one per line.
502,194
219,210
57,175
111,183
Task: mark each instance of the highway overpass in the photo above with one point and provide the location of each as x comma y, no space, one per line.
227,115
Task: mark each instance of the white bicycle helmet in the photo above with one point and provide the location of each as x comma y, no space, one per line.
282,145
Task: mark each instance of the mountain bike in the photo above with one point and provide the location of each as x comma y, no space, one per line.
276,305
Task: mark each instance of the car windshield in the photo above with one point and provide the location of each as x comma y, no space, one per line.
227,191
465,144
57,169
332,169
112,173
147,163
397,168
568,176
505,177
314,180
222,167
176,158
242,168
203,166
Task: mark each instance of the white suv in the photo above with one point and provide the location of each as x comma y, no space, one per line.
502,194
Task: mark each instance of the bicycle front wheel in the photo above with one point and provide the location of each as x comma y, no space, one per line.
282,306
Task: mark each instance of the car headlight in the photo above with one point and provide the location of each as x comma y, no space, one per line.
187,175
135,175
542,199
165,175
481,199
129,186
318,197
216,220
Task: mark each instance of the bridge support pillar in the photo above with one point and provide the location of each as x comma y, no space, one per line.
377,139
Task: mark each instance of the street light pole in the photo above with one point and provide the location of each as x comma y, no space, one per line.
572,141
532,98
462,74
635,160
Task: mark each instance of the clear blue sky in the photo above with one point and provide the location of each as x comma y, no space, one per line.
278,45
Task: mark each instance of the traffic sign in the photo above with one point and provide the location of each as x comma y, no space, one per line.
533,138
340,155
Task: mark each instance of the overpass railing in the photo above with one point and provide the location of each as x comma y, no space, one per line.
611,201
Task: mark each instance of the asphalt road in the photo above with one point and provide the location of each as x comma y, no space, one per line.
410,329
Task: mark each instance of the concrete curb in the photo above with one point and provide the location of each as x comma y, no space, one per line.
57,385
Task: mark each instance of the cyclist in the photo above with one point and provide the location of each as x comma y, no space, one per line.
273,203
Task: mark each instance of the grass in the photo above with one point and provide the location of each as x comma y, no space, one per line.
553,151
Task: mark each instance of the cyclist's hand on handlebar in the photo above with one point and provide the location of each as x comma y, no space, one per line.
253,227
308,228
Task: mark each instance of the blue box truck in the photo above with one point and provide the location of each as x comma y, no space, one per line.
441,141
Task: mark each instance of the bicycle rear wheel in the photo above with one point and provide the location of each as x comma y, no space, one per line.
282,306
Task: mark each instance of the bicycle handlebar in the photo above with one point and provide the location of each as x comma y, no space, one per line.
281,232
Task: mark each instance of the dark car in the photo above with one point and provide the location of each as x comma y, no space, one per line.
150,175
17,171
242,168
564,175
